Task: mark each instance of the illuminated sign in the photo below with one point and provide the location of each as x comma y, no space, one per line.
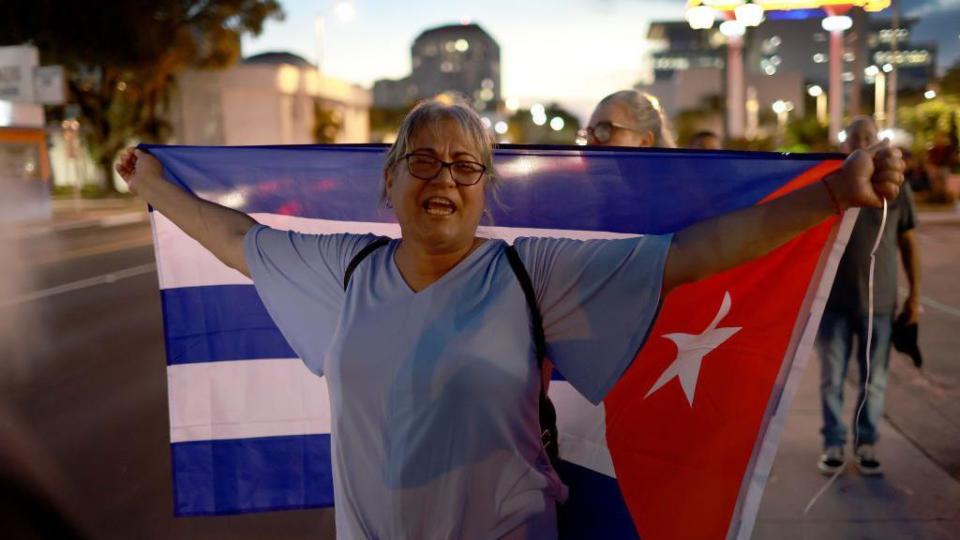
886,35
787,5
917,57
681,63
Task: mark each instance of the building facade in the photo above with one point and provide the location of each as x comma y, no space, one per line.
462,59
915,60
783,57
271,98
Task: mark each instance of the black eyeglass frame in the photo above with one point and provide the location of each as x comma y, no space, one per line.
592,130
444,164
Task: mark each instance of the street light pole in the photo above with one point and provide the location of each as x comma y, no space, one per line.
892,76
817,92
734,31
879,95
344,11
747,13
836,24
320,26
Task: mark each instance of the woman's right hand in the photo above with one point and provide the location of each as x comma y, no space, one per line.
137,167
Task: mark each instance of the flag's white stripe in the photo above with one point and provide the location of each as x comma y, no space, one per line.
183,262
583,429
245,399
269,398
794,363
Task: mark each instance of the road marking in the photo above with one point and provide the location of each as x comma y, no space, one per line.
82,284
931,303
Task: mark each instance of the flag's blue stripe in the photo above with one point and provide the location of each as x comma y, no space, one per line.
280,473
219,322
252,475
595,509
611,190
223,322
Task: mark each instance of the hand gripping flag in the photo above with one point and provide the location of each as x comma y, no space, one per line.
680,448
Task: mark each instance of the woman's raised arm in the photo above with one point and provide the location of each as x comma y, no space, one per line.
705,248
218,228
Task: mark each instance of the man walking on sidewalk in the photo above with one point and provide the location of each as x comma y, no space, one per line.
846,316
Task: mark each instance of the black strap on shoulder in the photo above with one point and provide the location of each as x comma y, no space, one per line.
361,255
536,321
548,414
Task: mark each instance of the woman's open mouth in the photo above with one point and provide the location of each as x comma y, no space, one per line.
439,206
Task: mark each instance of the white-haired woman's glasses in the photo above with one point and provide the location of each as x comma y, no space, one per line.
602,131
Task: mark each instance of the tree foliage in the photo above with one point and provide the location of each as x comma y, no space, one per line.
122,56
950,83
523,130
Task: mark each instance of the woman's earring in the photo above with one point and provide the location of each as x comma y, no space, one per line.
389,203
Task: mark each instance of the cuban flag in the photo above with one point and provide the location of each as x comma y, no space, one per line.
680,448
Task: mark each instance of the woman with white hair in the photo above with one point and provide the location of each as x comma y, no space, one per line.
629,118
432,365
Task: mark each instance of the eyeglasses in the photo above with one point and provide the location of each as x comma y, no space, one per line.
602,131
426,167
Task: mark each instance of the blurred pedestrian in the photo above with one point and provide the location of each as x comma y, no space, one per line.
705,140
847,316
629,118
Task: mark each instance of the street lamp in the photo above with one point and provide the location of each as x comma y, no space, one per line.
879,93
701,17
749,13
344,11
733,28
836,23
782,108
816,91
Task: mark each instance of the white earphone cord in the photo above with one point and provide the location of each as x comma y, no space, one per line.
866,381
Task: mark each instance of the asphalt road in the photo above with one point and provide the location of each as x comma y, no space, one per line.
83,381
85,378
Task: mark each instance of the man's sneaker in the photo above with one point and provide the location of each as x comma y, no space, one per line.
867,461
831,460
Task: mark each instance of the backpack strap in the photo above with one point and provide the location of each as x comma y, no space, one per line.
548,414
361,255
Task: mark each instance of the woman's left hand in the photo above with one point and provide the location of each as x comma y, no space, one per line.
868,176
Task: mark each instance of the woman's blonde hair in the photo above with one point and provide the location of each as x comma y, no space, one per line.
645,115
429,114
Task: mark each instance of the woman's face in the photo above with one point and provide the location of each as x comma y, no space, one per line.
615,113
440,214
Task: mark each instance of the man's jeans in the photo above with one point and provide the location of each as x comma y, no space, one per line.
834,344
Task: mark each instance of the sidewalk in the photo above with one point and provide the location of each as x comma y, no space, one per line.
915,499
938,213
70,214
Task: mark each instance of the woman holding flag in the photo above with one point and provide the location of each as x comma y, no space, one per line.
427,348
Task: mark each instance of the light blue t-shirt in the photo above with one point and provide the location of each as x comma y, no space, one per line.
434,395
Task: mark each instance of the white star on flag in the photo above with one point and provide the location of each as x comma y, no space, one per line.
691,348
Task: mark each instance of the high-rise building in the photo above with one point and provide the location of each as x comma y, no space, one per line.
461,59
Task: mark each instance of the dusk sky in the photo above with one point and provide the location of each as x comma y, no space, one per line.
570,51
